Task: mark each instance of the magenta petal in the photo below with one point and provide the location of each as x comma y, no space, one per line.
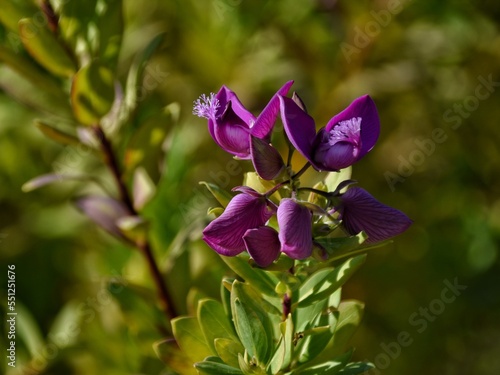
265,121
244,212
365,108
266,159
299,127
263,245
362,212
295,223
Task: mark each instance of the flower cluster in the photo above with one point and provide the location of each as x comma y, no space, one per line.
282,219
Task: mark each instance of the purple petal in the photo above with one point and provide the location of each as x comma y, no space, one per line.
265,122
362,212
333,157
266,159
232,134
225,96
244,212
295,222
263,245
299,127
365,108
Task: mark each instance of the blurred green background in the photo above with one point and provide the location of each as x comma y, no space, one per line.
433,69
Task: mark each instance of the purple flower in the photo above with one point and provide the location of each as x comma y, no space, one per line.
244,212
361,212
295,223
345,139
230,124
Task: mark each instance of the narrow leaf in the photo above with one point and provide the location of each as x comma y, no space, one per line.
56,134
92,93
215,368
264,282
222,196
134,79
356,368
325,281
43,46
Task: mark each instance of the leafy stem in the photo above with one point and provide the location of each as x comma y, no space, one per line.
143,245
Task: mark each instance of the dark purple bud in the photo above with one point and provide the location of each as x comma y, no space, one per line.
361,212
295,223
266,159
263,245
244,212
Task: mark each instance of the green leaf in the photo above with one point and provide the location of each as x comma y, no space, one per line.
43,46
92,93
282,357
317,336
216,368
263,281
214,322
251,316
222,196
169,352
341,247
331,367
356,368
324,282
333,179
350,315
229,350
136,71
55,134
250,330
190,338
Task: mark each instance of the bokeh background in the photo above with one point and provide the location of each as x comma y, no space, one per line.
433,69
